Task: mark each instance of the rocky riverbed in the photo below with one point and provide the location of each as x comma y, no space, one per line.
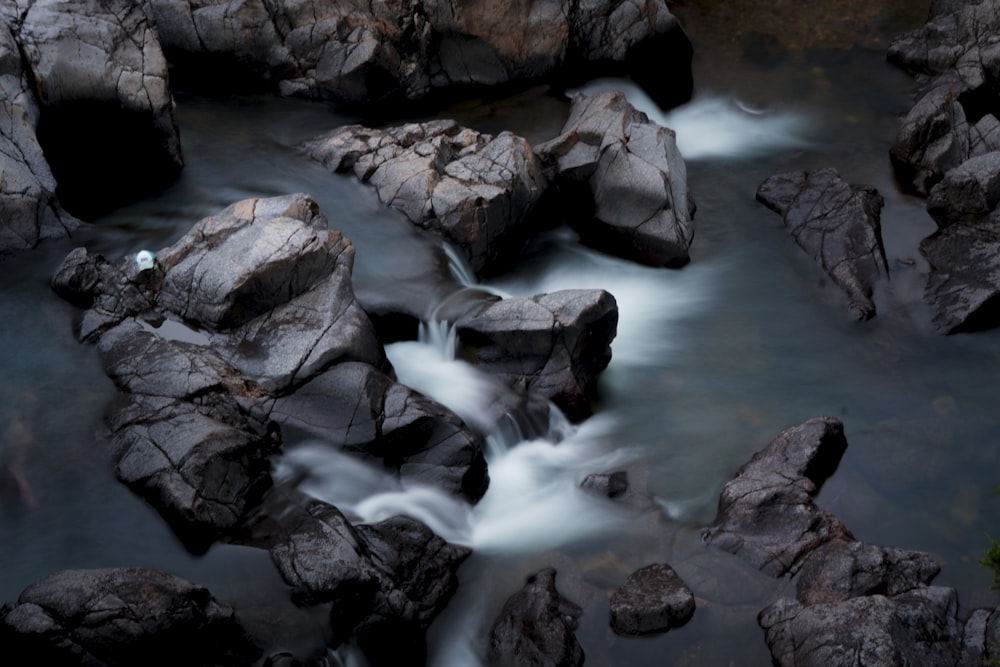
256,387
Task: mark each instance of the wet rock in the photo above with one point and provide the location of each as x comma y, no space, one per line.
386,582
968,192
107,116
914,628
837,224
622,181
358,408
478,192
536,627
610,485
552,345
29,211
125,616
372,54
653,599
766,512
963,286
841,570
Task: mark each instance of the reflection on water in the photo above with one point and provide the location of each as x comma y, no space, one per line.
710,363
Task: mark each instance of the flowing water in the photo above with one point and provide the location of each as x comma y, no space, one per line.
711,361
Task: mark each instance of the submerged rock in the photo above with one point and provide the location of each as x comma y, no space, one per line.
837,224
122,617
653,599
621,181
536,627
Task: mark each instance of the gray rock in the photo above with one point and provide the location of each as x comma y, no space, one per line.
536,627
968,192
914,628
552,345
610,485
477,191
963,286
841,570
29,211
766,514
622,181
358,408
837,224
121,617
370,54
386,582
653,599
101,81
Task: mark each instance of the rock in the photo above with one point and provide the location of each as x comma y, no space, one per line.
552,345
536,627
29,211
610,485
386,582
837,224
477,191
107,116
120,617
963,286
968,192
653,599
915,628
622,181
841,570
358,408
766,512
372,55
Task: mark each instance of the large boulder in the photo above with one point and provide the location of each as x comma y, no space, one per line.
29,211
478,192
621,180
121,617
107,116
366,53
536,627
767,514
355,407
385,582
837,224
551,345
919,627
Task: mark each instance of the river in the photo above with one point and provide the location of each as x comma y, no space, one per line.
711,361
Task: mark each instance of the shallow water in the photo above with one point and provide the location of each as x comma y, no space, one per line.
711,361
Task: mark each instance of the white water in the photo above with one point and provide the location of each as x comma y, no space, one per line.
714,127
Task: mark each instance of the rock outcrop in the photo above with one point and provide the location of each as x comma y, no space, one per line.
837,224
653,599
621,181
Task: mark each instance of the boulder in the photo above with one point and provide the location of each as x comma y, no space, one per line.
476,191
121,617
963,286
914,628
552,345
845,569
621,181
536,627
837,224
968,192
653,599
107,116
358,408
385,582
29,210
767,515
